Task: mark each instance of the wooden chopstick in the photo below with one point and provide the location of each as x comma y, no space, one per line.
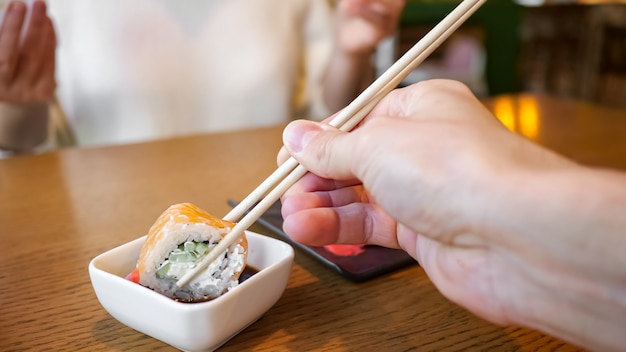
350,116
291,171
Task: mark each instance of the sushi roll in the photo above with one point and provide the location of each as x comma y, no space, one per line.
179,238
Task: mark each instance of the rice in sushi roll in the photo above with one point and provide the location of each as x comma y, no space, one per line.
179,238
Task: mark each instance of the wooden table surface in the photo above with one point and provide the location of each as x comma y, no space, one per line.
59,210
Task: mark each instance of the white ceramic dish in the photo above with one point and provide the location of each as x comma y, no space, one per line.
192,326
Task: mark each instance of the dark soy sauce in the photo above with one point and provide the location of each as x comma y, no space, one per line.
247,273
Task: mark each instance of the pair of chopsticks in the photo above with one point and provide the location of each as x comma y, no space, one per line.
291,171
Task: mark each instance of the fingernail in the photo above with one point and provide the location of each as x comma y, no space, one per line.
298,134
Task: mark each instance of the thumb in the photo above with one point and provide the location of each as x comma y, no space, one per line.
320,148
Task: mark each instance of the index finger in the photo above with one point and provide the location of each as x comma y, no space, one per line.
9,39
32,56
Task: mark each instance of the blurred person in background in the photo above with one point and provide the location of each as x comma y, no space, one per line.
27,76
131,71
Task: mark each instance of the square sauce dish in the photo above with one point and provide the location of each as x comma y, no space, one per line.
203,326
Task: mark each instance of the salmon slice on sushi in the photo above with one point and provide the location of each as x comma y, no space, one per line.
178,240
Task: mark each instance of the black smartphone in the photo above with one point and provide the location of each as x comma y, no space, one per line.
373,261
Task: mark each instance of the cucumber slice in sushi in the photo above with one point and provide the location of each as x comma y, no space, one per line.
177,241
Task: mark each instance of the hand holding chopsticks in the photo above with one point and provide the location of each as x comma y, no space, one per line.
290,171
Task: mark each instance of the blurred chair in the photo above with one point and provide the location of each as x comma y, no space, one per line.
603,65
61,133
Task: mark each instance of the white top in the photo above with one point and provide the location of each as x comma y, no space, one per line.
134,70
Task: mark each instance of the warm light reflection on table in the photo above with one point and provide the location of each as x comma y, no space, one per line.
591,134
520,114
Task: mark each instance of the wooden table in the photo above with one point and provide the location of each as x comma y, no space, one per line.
59,210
